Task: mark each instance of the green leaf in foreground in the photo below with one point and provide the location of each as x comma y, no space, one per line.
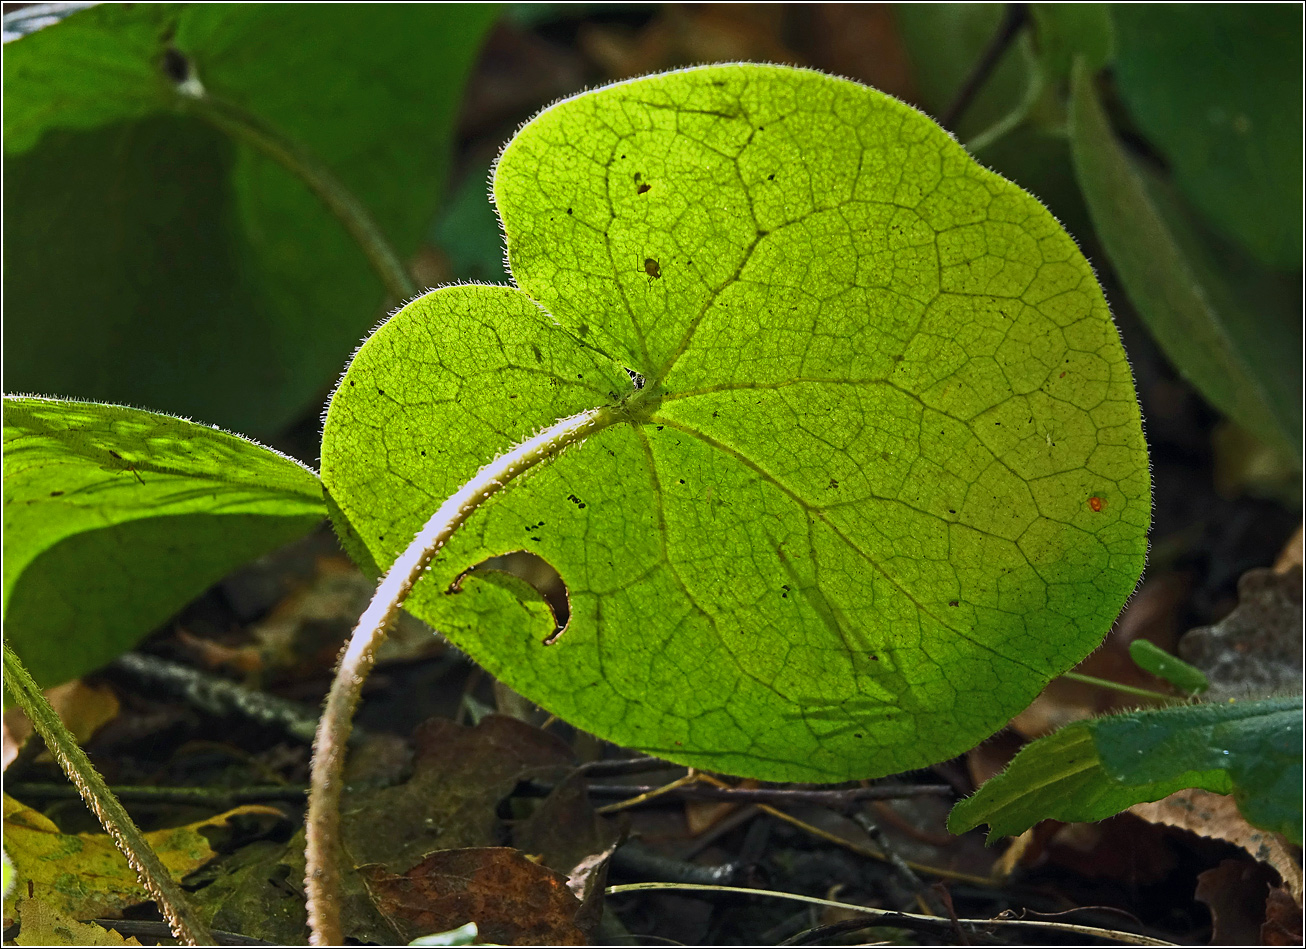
879,474
115,518
1091,770
151,260
1243,357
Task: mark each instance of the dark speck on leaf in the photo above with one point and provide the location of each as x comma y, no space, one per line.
682,480
175,65
568,210
770,177
659,428
380,391
953,603
423,454
651,268
55,494
643,188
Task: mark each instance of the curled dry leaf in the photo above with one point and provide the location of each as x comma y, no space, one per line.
1283,919
1216,815
1257,649
85,709
1235,892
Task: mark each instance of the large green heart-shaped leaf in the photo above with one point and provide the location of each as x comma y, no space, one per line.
153,261
875,471
116,518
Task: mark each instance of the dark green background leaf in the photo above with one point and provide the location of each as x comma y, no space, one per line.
1243,357
945,41
115,518
149,260
1216,88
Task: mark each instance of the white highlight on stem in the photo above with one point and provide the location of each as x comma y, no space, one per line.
322,881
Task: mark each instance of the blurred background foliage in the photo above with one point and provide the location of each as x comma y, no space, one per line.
151,259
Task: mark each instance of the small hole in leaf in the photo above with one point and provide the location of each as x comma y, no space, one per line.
175,65
534,571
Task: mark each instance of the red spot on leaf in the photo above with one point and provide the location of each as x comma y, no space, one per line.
1095,503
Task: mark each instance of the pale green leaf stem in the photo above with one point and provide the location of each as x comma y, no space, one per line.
323,820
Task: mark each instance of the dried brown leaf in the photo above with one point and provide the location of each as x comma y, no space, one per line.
1256,650
1283,919
1216,815
1235,892
85,709
512,901
459,776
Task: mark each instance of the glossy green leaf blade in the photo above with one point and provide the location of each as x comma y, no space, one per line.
1243,360
1217,89
1258,743
115,518
150,260
885,442
1090,770
1061,777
